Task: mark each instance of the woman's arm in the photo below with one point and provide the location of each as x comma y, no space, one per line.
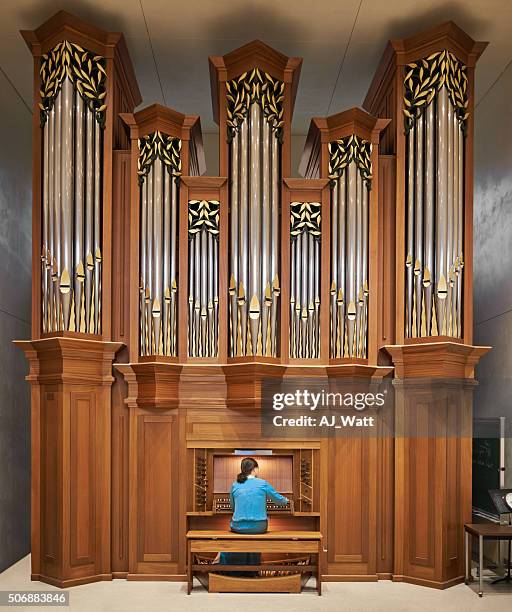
276,497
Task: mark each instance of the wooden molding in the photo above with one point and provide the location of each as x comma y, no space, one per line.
255,54
436,359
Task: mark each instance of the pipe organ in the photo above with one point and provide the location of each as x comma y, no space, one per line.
350,173
305,235
164,299
254,128
159,170
435,112
72,114
203,284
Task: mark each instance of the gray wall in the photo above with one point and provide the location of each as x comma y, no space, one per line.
493,252
15,297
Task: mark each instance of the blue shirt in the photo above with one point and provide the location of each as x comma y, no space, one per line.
249,499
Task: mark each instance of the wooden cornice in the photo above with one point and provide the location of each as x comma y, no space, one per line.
111,45
436,360
255,54
157,117
353,121
399,52
64,359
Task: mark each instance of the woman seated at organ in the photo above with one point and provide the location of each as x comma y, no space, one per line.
248,498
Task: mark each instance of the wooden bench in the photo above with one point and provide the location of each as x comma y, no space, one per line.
296,542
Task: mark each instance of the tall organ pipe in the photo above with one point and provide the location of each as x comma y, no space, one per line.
334,267
89,218
51,264
418,218
97,228
441,213
45,285
78,266
235,276
156,297
450,219
143,267
430,181
166,282
460,223
410,233
57,208
341,295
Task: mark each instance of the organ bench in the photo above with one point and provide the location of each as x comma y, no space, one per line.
295,542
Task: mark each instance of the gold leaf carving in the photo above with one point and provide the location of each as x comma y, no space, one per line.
164,147
255,86
346,150
425,78
80,66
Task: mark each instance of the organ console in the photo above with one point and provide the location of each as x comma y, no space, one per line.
164,298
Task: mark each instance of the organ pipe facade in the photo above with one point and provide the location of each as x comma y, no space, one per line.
350,171
436,111
72,111
255,122
305,267
159,169
203,278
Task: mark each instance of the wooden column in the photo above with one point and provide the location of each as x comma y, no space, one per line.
71,370
70,382
434,371
155,453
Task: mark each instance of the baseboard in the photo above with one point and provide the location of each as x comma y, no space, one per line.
119,575
433,584
163,577
349,578
70,582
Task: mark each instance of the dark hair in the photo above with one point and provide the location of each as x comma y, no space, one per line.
247,466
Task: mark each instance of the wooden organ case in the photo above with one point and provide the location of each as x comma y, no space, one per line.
162,298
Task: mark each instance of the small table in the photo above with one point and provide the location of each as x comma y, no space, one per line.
483,531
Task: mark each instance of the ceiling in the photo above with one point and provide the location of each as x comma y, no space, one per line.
341,42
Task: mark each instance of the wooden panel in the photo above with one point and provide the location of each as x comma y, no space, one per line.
348,534
82,478
421,462
157,492
277,470
268,546
51,450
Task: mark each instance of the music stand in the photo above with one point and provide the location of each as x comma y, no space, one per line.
502,500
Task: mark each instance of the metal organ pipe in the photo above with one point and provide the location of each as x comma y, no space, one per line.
78,264
57,210
409,262
418,234
441,288
89,217
97,228
341,294
254,293
429,202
